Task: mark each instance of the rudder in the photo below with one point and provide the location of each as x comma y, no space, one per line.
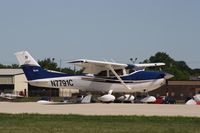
25,58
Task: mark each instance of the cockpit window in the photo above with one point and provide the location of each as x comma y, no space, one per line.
104,73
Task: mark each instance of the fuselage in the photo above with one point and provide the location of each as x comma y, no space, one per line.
90,83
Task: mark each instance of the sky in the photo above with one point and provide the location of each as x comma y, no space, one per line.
100,29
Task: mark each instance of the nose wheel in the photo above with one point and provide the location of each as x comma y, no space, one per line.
145,92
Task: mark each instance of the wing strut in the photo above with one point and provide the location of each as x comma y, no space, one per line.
118,77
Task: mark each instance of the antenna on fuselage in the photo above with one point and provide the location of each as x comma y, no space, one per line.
133,61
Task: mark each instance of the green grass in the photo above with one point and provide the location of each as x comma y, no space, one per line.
35,123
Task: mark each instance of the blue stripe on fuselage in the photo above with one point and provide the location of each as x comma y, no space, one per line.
36,72
144,75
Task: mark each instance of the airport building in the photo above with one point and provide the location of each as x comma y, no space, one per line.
179,90
14,81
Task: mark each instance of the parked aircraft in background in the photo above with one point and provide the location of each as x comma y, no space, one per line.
10,96
126,98
100,76
195,100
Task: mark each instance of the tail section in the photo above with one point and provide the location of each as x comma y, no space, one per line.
25,58
32,69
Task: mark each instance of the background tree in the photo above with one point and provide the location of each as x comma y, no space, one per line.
179,69
13,66
48,63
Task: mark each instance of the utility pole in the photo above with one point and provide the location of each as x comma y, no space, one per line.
74,69
60,62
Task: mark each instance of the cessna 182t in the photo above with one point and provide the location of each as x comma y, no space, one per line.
100,76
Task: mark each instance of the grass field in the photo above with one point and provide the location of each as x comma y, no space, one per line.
35,123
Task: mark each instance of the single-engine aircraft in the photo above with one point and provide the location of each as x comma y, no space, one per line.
99,76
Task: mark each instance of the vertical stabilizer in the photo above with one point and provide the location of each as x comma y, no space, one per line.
25,58
32,69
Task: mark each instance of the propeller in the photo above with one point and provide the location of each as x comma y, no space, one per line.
168,76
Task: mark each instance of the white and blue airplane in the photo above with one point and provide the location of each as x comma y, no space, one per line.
99,76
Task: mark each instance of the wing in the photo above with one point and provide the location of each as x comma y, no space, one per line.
149,64
144,65
94,67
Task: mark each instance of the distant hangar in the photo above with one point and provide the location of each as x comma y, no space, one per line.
14,81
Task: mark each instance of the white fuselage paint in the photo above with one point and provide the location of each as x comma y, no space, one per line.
78,82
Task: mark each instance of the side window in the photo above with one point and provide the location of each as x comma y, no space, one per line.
104,73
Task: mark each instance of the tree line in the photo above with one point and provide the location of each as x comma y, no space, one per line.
179,69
